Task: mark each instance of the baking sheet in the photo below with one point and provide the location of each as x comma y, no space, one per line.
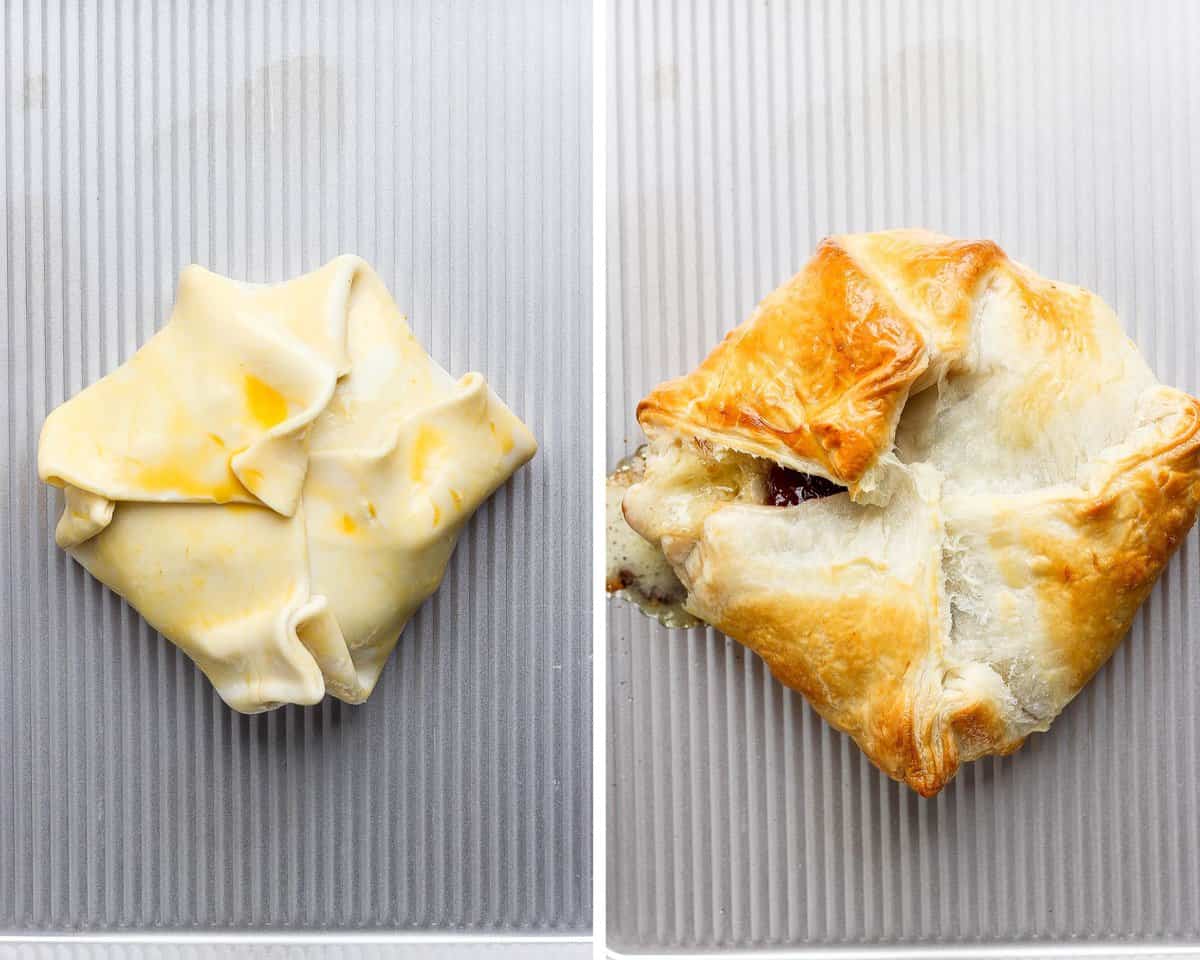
739,134
215,947
446,143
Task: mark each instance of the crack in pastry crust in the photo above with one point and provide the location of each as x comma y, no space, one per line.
1015,482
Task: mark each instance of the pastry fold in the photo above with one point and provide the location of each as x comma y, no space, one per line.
1016,480
276,479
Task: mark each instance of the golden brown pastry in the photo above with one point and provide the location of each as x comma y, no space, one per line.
277,478
929,487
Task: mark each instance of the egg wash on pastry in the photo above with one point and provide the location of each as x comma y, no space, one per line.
277,478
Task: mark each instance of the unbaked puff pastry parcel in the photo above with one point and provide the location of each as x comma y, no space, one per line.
929,487
277,478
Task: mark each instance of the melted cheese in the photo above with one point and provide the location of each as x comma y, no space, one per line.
636,570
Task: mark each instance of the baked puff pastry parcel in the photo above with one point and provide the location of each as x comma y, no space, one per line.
928,487
277,479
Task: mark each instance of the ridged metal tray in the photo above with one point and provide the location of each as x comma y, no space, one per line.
445,142
739,134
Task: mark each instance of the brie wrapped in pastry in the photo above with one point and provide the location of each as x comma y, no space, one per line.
927,486
277,479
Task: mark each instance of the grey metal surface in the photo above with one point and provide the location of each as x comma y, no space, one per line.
215,947
739,134
447,143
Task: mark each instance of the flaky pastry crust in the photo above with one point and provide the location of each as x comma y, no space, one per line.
1016,481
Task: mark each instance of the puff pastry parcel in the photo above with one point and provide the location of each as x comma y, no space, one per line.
277,479
929,487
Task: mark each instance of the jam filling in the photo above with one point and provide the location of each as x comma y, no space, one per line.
786,488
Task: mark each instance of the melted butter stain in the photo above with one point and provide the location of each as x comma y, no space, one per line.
437,515
267,405
217,440
347,524
371,510
456,497
427,443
